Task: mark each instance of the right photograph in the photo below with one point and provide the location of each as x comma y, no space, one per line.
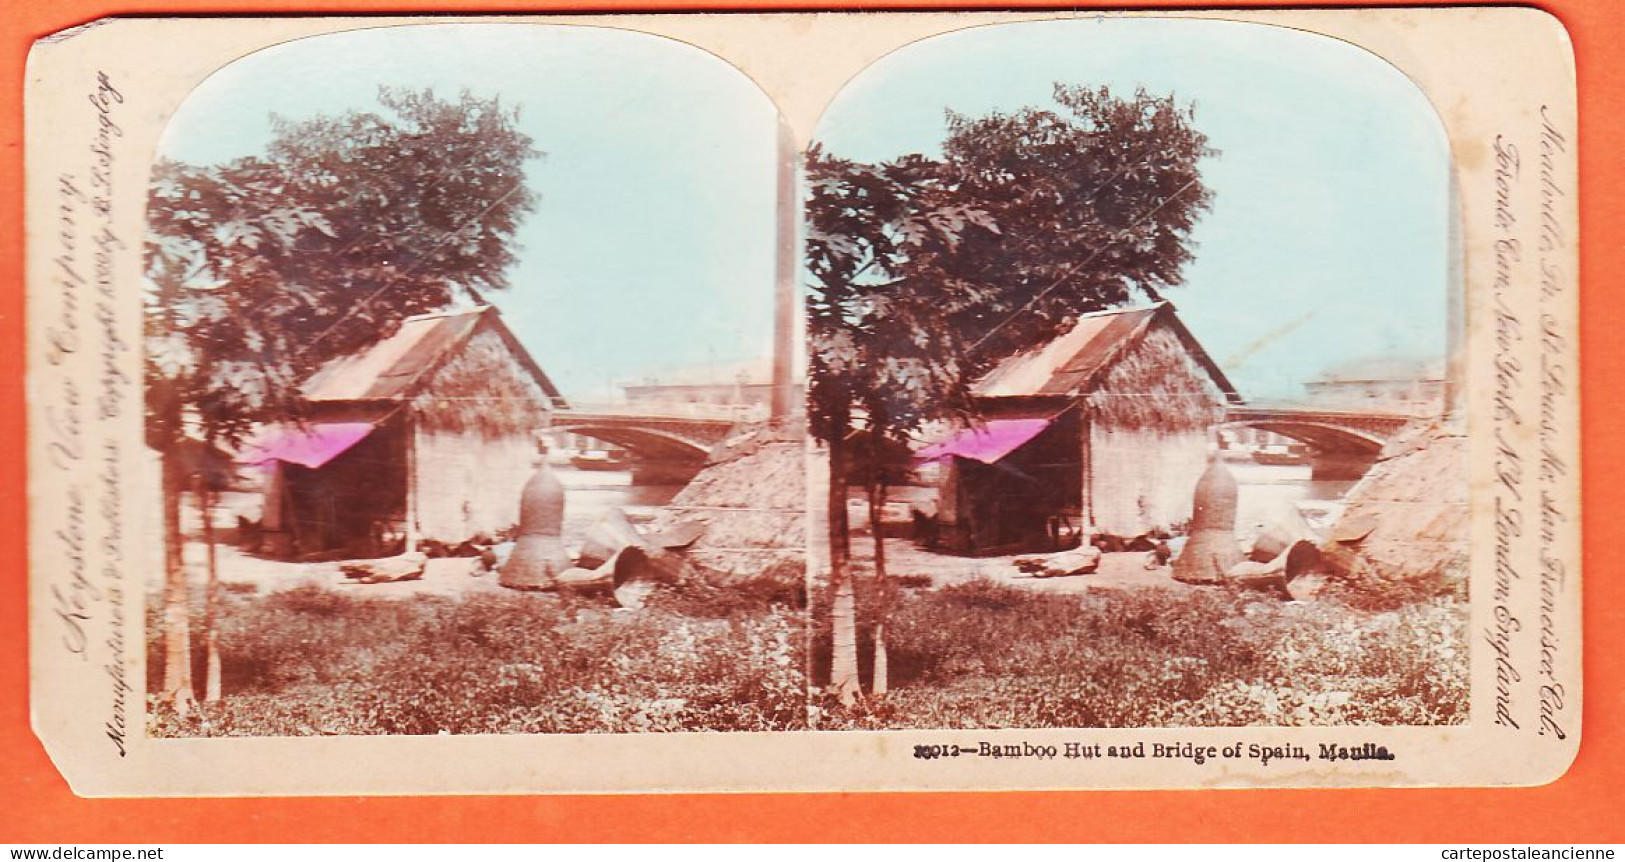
1132,384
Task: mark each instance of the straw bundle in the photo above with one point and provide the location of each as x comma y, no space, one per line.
1405,525
1157,385
482,390
751,500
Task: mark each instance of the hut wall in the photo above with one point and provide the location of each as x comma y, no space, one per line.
474,441
468,485
1152,415
1144,479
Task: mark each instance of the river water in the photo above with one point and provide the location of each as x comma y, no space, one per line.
588,494
1265,493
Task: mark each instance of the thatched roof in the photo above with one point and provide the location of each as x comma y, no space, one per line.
396,368
1404,528
1134,368
752,500
1075,362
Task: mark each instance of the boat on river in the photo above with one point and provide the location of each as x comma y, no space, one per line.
1281,456
600,460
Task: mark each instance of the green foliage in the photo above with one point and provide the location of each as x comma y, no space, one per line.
262,268
981,655
780,585
875,346
313,660
924,273
423,196
1095,200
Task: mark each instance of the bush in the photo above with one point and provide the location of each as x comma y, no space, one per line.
317,661
313,660
983,655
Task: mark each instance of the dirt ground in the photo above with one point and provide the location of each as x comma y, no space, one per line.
1119,571
245,573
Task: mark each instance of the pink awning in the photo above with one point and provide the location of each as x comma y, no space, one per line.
310,445
988,443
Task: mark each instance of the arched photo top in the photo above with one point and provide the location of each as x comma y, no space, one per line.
1327,240
654,188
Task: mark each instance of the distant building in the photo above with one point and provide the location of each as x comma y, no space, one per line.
429,434
1395,385
742,390
1103,430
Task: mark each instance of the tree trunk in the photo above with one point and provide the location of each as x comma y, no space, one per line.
211,606
882,599
177,684
843,674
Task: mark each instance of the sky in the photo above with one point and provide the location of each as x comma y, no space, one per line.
651,249
1327,240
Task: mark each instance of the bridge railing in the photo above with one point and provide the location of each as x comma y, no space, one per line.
668,410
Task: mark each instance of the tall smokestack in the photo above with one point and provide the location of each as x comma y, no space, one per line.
784,279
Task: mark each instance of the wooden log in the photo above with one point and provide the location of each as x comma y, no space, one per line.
406,567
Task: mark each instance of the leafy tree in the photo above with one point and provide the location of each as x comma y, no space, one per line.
1095,201
879,361
261,269
924,273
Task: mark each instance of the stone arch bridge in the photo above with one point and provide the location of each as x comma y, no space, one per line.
670,448
1344,443
666,449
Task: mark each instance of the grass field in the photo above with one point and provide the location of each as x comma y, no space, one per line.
315,660
312,660
983,655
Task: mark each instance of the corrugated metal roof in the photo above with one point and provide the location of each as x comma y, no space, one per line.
1069,364
391,369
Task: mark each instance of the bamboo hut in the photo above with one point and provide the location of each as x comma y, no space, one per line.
1104,430
427,435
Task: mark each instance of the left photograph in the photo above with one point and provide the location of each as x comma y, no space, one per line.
470,392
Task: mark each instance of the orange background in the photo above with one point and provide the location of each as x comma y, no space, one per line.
1588,804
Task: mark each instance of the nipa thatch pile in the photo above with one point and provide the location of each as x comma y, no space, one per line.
751,498
1404,529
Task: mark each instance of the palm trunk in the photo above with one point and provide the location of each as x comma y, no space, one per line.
882,604
177,684
843,674
211,607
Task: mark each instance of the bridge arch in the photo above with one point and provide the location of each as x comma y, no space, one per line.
1344,443
665,449
644,443
1321,436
